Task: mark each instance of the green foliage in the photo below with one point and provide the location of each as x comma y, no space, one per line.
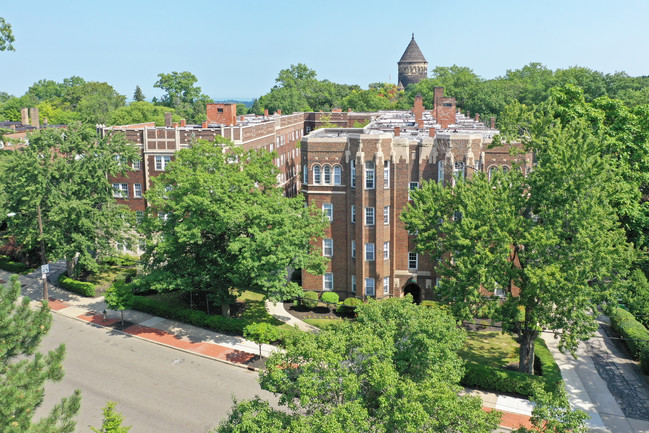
330,297
112,422
24,370
6,36
635,334
261,333
141,112
644,359
349,305
8,265
119,297
80,287
309,299
225,218
552,414
394,369
637,296
138,95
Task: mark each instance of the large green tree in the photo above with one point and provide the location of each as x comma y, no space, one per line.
64,173
550,242
394,369
219,222
141,112
6,36
24,370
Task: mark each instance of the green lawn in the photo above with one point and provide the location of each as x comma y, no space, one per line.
323,323
491,348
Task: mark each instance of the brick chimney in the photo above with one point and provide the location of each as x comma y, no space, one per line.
183,123
492,122
432,132
397,131
349,110
34,116
168,120
175,125
204,125
468,114
266,112
24,116
279,112
477,117
223,114
418,109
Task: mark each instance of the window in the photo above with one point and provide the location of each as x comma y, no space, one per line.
386,174
120,190
219,110
353,249
272,146
353,213
161,162
458,170
328,281
440,172
327,175
305,174
386,250
411,187
369,252
139,217
369,287
328,209
137,190
386,285
412,260
316,174
386,214
353,173
492,170
337,175
353,283
369,216
163,216
328,247
137,165
369,175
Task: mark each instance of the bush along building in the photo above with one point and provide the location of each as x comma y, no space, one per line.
361,178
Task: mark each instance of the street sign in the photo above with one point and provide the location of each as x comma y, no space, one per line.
45,269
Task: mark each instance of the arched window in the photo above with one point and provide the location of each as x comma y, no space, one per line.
337,175
492,170
316,174
327,174
505,168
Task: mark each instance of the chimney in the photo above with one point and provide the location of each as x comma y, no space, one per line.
183,123
175,125
279,112
24,116
397,131
266,113
468,114
34,116
168,120
492,122
204,125
432,132
349,110
477,117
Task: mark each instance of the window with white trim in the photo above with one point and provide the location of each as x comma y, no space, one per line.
369,216
459,170
353,283
386,214
120,190
353,213
338,175
386,285
353,249
139,217
386,250
411,187
326,171
328,247
352,164
328,209
137,165
316,174
412,260
305,174
440,172
161,162
137,190
328,281
369,175
369,252
386,174
369,287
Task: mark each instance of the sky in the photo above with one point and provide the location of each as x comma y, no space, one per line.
237,48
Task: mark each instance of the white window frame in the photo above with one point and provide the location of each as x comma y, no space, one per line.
410,188
120,190
353,283
161,162
328,247
370,216
137,165
326,175
317,175
338,174
370,252
386,174
328,282
411,260
353,210
459,170
353,249
370,287
386,215
386,250
386,285
305,175
328,209
370,175
137,190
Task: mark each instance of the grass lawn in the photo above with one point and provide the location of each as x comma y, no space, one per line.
324,323
491,348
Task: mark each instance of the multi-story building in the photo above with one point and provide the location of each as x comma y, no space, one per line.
361,179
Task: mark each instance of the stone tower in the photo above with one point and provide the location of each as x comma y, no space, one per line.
413,66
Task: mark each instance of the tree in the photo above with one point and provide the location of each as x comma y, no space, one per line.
119,297
141,112
112,422
552,414
393,370
65,174
549,241
179,87
138,95
261,333
218,221
23,370
6,36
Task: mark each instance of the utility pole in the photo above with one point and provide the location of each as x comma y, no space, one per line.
43,258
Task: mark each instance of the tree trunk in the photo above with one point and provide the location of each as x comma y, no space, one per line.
526,353
225,309
122,311
69,264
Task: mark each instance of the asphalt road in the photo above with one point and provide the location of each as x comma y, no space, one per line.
158,389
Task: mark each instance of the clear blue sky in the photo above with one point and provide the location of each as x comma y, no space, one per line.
236,48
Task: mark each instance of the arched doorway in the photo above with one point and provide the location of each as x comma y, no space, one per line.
415,291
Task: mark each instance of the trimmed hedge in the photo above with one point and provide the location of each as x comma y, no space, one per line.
349,305
187,315
500,380
635,334
10,266
309,299
330,297
80,287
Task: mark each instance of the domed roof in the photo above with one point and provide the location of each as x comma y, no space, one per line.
413,53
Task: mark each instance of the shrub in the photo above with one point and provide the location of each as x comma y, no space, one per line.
349,305
261,333
635,334
644,359
80,287
309,299
330,297
10,266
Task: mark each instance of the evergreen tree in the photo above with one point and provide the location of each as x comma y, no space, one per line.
112,420
138,96
23,370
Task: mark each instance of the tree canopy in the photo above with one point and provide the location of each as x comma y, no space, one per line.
218,222
393,370
6,36
24,370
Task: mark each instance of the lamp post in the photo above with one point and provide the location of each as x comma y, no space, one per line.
42,246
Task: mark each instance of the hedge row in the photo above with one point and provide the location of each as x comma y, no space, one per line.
80,287
500,380
11,266
187,315
635,334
